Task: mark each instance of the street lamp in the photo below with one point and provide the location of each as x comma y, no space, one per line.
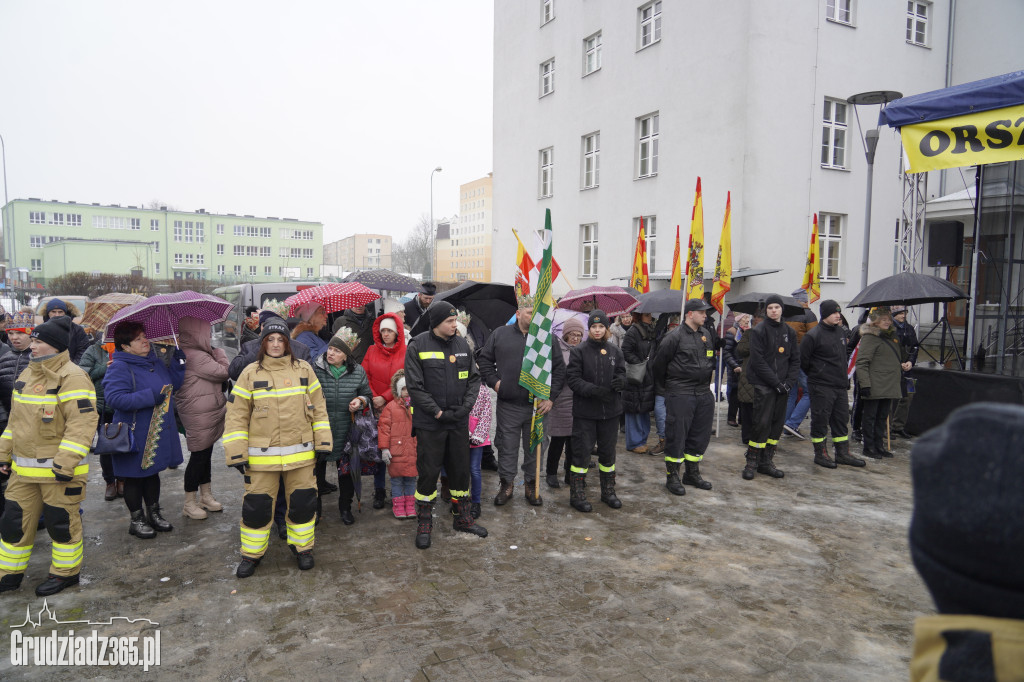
870,141
433,228
7,253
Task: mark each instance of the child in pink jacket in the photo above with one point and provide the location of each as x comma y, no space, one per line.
479,436
398,448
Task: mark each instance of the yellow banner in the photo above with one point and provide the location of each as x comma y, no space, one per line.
985,137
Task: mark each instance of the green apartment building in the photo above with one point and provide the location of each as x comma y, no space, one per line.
46,239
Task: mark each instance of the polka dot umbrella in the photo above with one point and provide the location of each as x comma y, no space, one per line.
333,297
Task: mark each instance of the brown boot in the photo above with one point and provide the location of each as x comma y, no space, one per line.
640,449
659,448
505,489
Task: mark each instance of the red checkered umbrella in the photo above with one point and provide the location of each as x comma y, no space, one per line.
333,297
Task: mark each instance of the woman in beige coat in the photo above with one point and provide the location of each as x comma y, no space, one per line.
201,407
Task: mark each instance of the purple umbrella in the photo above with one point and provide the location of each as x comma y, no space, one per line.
612,300
159,315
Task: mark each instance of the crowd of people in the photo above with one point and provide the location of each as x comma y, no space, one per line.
365,397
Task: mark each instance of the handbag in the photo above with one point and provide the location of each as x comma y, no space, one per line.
635,372
122,440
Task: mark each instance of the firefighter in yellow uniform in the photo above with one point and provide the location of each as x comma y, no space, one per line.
50,431
276,424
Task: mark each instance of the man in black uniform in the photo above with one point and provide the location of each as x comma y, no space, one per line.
419,303
823,360
908,339
683,368
774,370
443,383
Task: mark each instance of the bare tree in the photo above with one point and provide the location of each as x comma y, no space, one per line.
413,253
158,205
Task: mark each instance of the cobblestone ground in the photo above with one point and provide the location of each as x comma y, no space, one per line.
804,578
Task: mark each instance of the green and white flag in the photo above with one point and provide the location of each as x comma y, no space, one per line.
535,375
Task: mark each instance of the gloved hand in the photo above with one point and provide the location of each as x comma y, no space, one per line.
604,394
781,388
618,383
448,417
179,354
719,344
385,455
63,478
159,397
241,468
865,391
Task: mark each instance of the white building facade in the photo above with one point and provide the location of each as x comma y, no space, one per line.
608,111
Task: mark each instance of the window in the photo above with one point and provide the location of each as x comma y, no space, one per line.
136,223
309,272
547,11
591,160
833,134
252,269
650,24
177,230
588,250
37,217
156,247
264,252
177,259
547,77
188,231
220,230
220,270
266,271
37,265
200,259
74,219
220,249
547,166
592,53
189,259
56,218
651,234
830,239
839,10
156,268
154,224
200,232
917,23
238,250
238,270
647,146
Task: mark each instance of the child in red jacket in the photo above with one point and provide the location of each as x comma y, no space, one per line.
398,448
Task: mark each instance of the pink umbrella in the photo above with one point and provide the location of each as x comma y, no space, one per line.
159,315
612,300
333,297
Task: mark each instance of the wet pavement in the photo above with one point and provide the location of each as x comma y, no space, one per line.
803,578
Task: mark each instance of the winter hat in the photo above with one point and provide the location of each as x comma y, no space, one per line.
388,323
273,325
55,332
967,529
801,295
773,298
344,340
828,307
879,312
597,316
897,309
393,305
439,311
428,289
56,304
21,321
306,311
266,315
572,325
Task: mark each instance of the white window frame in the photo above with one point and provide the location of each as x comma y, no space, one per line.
546,184
238,270
827,240
56,219
156,247
592,54
188,231
200,232
220,228
834,133
37,217
547,11
136,223
651,237
189,259
918,20
220,270
36,265
839,11
648,131
266,271
74,219
154,224
220,249
252,270
200,259
591,160
156,268
177,230
589,251
547,77
177,259
648,24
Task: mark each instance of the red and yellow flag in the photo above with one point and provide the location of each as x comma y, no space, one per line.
638,280
523,266
695,260
812,272
723,264
676,282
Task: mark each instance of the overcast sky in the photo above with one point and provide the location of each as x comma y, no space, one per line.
332,111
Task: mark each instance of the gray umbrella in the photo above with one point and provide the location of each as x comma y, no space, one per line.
907,288
383,280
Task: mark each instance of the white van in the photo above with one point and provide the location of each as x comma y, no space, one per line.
227,334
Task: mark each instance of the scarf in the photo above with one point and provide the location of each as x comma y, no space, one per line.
156,425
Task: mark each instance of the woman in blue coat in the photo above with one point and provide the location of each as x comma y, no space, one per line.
139,387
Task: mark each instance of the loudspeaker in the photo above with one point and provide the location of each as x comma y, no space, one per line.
945,244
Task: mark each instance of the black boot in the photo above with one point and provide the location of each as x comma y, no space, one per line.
857,435
424,524
464,518
379,499
11,581
750,470
139,527
55,583
552,481
672,479
880,444
821,457
474,510
578,492
693,477
322,485
246,567
319,509
487,460
608,490
346,491
843,455
534,500
765,465
156,519
305,559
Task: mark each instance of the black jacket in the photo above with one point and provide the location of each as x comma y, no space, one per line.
501,359
908,339
12,364
440,374
685,361
823,355
78,343
637,346
592,366
250,352
774,355
413,311
362,325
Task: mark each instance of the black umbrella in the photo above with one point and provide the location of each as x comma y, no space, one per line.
383,280
490,303
753,301
661,301
907,288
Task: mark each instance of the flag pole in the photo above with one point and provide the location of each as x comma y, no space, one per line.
536,478
718,387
